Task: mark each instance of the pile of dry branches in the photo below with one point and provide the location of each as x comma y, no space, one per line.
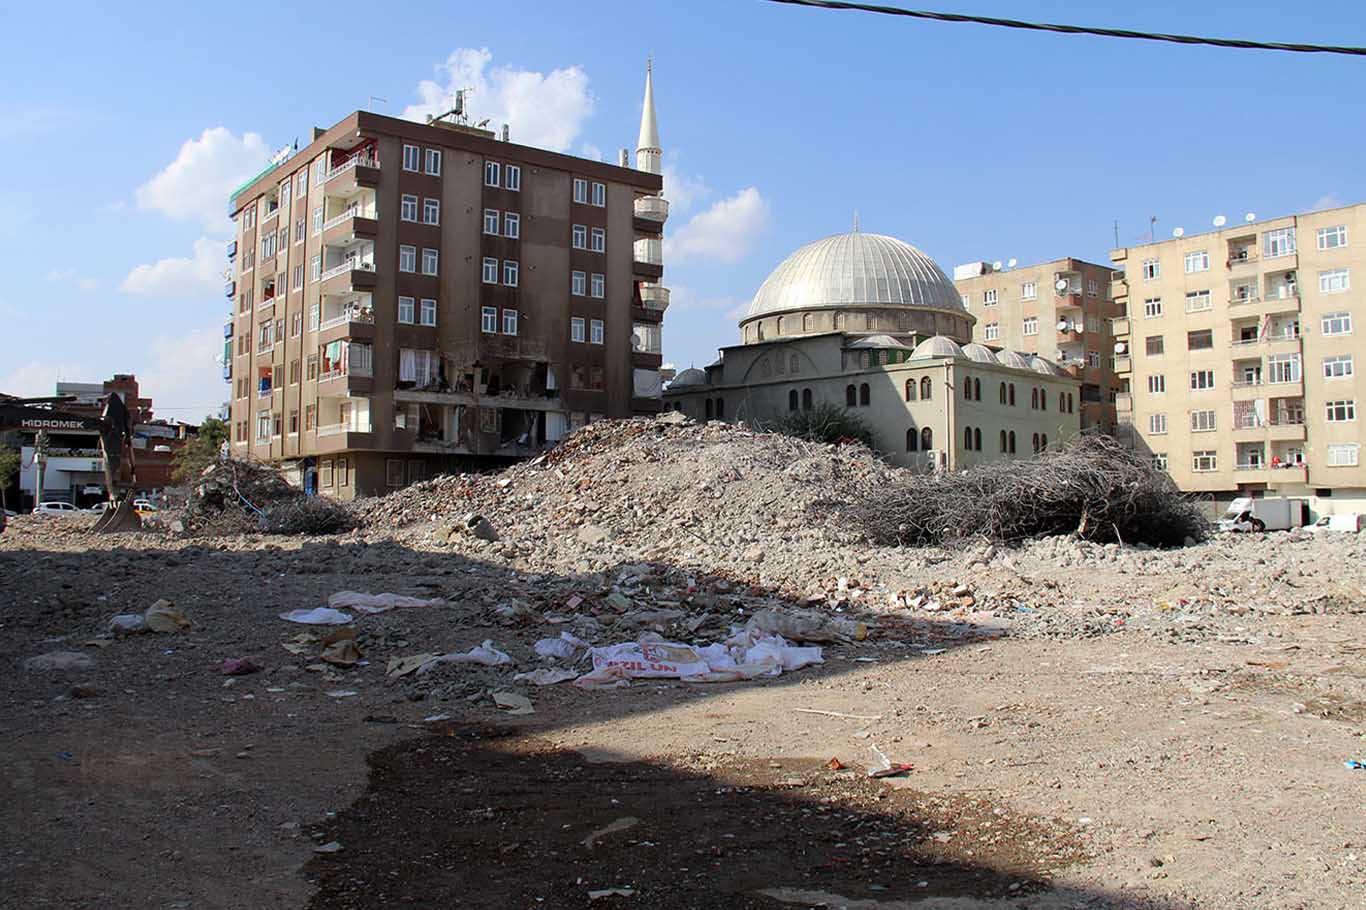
238,497
1092,487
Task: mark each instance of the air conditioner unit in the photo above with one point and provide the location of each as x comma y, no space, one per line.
936,459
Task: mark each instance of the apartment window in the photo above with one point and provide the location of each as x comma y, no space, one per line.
1154,345
599,194
1157,424
576,329
1337,323
311,369
1030,326
989,297
1204,461
303,184
491,173
579,237
1157,384
1331,238
1197,262
1201,340
1093,358
490,270
488,319
1029,291
320,170
1202,380
512,177
298,277
510,269
429,261
580,190
268,245
294,372
1160,460
407,258
578,283
1334,281
296,325
491,221
1202,421
1343,455
428,311
411,156
433,162
407,208
599,243
407,310
1152,269
599,287
1152,307
992,331
1338,367
293,423
318,219
595,331
314,317
262,426
1092,288
1284,367
265,340
964,299
1341,411
431,211
509,322
299,231
1280,242
512,225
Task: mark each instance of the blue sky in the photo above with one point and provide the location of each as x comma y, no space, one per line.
123,124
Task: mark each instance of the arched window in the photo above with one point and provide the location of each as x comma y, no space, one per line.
977,438
926,390
1043,399
967,388
1012,442
850,396
839,322
1012,394
1003,441
808,322
1034,399
793,365
912,439
1062,402
967,438
792,400
1043,443
869,322
782,326
864,394
806,399
1036,443
977,389
1069,403
1003,393
708,409
720,409
926,439
910,390
759,330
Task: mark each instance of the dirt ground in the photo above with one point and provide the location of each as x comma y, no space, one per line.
1117,768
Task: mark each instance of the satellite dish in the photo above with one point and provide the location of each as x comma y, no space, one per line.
1250,217
996,265
1012,262
1120,347
1062,325
1220,221
1060,285
1178,232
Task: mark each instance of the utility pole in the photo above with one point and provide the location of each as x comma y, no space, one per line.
40,462
1116,233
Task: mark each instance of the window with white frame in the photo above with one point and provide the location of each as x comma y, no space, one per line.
1344,455
1205,461
407,258
429,261
1280,242
1202,380
488,319
318,220
595,331
433,162
1157,424
1337,367
989,297
1197,301
599,240
1202,422
992,331
431,211
1030,326
428,312
512,177
964,299
509,322
490,270
262,426
1152,269
1093,358
1092,287
317,267
1331,238
298,276
412,157
407,208
1334,281
1197,261
510,269
578,283
1157,384
598,286
576,329
491,221
302,184
512,225
1160,460
320,170
1283,367
314,317
1337,323
491,173
580,190
299,231
1029,291
1093,323
1152,307
407,310
599,194
578,237
1343,410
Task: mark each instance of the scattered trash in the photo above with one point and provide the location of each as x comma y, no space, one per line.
164,616
806,625
1355,764
67,756
60,660
611,892
884,766
513,703
435,718
838,714
564,647
342,693
479,526
742,657
340,649
621,824
128,624
318,616
380,719
930,652
378,603
239,666
402,666
485,654
834,764
329,847
546,676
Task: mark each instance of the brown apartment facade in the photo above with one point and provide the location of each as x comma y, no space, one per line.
411,297
1059,310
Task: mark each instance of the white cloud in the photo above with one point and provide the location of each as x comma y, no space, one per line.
1330,201
185,378
196,184
684,299
683,190
199,274
69,276
726,232
37,378
590,151
548,111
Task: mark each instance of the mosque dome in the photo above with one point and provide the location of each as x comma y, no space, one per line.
690,376
1013,359
938,346
878,341
855,270
980,353
1047,367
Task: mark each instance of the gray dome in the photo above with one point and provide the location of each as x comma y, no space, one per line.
878,341
689,376
1013,359
1047,367
938,346
855,270
980,353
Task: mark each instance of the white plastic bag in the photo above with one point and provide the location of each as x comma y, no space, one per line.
318,616
378,603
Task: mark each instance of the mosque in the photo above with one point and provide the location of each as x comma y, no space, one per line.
871,324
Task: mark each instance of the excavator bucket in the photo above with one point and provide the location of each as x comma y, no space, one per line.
123,518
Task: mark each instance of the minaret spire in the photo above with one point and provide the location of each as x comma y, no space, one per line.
649,157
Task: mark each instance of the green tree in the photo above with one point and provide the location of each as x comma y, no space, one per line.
200,450
9,466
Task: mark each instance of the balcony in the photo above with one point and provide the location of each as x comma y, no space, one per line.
654,297
1124,402
1286,428
350,276
1248,390
1240,257
1119,326
650,213
353,223
353,173
1123,363
648,257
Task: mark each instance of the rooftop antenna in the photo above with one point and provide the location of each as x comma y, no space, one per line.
371,107
855,218
1152,227
1116,233
457,113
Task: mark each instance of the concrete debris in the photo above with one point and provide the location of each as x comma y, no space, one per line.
60,661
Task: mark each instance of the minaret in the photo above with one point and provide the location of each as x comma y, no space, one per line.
649,158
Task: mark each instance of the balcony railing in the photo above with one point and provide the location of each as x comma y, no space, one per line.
649,251
1250,466
654,297
1244,300
336,429
353,162
357,314
269,216
1241,257
652,208
264,393
348,266
352,212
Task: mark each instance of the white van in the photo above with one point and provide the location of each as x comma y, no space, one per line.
1351,523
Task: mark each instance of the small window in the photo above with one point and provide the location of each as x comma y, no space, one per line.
1338,367
580,190
992,331
1011,437
512,175
1157,424
1337,323
509,322
491,221
989,297
967,438
491,172
407,310
314,317
407,208
1011,389
1279,242
393,472
512,225
864,395
407,258
1152,269
1003,441
433,162
1154,345
1335,281
1202,380
599,286
1204,461
578,237
1029,291
1197,262
1344,455
510,269
910,390
578,283
599,238
926,388
318,220
1003,393
1341,411
806,400
792,399
429,261
411,157
1030,326
595,331
1198,301
926,439
576,333
1157,384
431,211
1331,238
1201,340
977,439
428,311
488,319
1203,422
599,194
850,396
490,274
1152,307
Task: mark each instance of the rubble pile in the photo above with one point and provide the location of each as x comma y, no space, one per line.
235,497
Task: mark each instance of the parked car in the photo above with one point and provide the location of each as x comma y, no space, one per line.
1268,514
144,506
1351,523
56,508
99,508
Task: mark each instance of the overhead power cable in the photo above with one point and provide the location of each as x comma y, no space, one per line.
1079,29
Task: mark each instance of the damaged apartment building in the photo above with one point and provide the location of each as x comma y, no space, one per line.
410,298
